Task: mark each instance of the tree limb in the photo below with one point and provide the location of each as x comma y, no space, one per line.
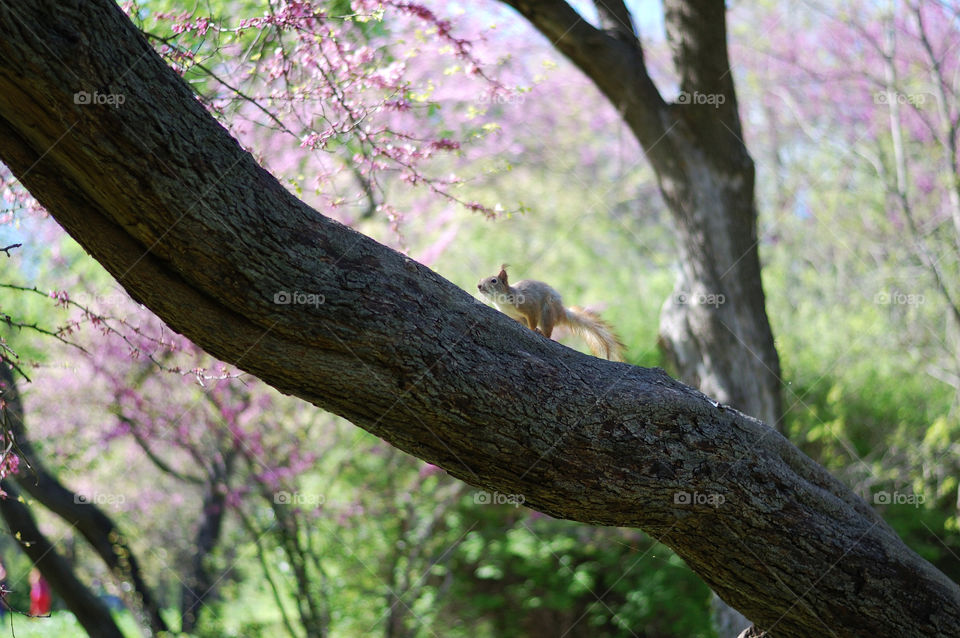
90,611
105,538
615,18
613,62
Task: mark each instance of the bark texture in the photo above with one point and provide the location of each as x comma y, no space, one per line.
193,228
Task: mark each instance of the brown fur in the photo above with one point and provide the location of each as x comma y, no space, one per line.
541,309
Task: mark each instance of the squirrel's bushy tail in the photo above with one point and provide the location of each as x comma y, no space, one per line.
597,333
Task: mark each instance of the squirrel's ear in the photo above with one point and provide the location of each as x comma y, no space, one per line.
502,276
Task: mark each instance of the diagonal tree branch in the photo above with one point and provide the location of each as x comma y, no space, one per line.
613,62
90,611
615,18
189,224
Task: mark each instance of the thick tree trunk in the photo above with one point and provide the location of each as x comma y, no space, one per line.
714,328
189,224
99,529
91,612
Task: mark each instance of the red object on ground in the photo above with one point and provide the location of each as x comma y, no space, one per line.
39,596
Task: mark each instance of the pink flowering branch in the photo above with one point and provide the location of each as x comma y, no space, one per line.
327,69
139,341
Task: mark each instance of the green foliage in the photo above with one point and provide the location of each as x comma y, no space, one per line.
542,576
60,624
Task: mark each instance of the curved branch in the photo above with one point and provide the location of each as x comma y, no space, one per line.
613,62
615,17
101,532
91,612
188,223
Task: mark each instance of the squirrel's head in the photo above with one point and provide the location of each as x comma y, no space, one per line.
492,285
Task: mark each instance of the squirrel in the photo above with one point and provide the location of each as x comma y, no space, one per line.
540,307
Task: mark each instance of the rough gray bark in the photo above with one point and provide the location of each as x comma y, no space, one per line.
105,538
188,223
